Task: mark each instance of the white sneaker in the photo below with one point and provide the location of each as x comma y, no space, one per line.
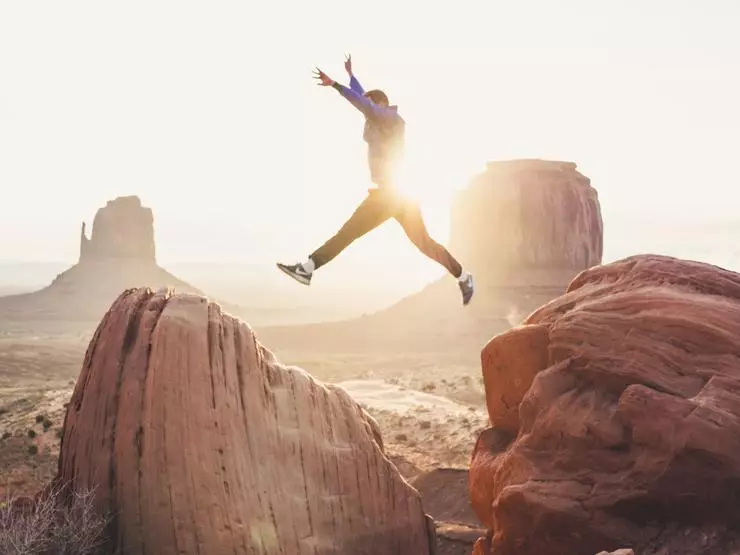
297,272
466,288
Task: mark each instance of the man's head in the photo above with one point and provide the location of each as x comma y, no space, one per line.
378,97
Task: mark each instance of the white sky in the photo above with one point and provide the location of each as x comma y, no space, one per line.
207,111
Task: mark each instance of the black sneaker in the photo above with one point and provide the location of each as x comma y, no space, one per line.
297,272
466,288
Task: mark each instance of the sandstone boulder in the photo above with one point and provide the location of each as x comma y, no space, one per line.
533,222
198,440
616,416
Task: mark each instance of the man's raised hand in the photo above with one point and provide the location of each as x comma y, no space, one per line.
348,64
323,79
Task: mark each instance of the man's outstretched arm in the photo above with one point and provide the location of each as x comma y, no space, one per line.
359,101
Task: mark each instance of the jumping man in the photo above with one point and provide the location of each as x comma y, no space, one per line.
384,134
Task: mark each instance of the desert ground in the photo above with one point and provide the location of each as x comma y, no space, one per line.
429,406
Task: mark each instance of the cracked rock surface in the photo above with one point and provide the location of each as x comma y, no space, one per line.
615,414
197,440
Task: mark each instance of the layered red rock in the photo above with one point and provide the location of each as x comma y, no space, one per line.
528,222
198,440
629,428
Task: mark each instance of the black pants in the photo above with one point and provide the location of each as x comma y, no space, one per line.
381,205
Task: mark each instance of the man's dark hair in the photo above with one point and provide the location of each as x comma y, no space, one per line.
377,96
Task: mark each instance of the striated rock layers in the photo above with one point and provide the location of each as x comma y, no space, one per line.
198,441
615,414
532,222
119,255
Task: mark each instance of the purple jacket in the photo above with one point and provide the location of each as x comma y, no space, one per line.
384,132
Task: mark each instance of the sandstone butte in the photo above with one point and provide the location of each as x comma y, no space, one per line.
615,417
527,222
119,254
197,440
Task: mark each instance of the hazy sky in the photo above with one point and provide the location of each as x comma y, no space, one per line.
207,111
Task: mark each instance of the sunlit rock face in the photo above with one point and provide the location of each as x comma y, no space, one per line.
527,222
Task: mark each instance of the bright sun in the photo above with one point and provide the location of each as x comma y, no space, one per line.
432,180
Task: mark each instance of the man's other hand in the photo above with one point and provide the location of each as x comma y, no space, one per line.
348,64
323,79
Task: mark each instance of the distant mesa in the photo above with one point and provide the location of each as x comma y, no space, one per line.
533,222
122,229
119,254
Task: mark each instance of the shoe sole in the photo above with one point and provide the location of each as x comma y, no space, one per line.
466,302
299,279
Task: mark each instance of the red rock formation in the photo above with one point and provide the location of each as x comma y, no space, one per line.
199,441
531,222
119,255
122,229
628,420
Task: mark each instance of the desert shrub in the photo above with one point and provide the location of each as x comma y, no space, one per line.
32,433
6,435
55,525
60,433
33,449
429,387
39,418
47,424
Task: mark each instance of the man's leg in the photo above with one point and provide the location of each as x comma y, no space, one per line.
372,212
412,221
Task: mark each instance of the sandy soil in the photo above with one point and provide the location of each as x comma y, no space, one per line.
429,415
30,433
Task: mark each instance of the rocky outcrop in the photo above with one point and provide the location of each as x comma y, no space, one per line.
533,222
119,255
198,440
122,229
616,416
